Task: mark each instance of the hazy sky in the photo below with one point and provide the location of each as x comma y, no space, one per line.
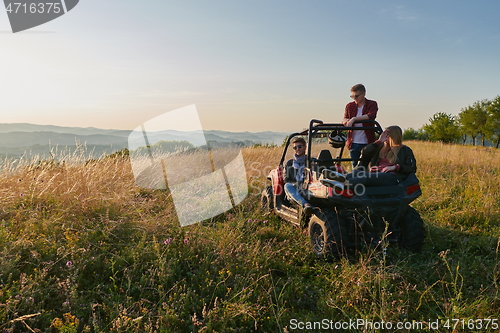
249,65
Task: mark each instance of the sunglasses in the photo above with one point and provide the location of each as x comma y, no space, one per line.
355,96
297,147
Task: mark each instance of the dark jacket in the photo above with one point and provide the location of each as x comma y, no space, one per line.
405,160
290,172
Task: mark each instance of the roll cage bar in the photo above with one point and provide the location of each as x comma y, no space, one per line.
318,128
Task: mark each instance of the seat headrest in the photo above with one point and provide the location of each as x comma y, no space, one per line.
325,155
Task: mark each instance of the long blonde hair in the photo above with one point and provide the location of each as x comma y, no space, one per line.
391,147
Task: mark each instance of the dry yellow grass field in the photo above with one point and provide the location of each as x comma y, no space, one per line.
82,248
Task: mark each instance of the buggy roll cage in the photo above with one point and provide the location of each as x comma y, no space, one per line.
319,129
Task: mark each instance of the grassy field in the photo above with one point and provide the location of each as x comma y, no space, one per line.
82,249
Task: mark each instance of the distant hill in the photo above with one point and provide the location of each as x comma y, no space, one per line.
25,127
22,138
220,136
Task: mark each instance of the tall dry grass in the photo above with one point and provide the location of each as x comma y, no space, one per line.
82,248
461,184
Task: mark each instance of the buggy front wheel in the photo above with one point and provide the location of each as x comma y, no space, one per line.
266,200
326,234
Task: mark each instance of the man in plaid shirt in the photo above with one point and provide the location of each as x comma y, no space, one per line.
360,109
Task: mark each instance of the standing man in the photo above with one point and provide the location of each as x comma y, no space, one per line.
360,109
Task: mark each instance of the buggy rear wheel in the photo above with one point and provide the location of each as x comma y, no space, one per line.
266,200
326,234
412,231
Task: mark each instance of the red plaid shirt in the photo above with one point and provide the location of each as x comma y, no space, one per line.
351,110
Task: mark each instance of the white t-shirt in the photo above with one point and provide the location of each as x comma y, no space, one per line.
359,136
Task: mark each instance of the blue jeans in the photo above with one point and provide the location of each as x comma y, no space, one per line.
355,152
292,192
367,178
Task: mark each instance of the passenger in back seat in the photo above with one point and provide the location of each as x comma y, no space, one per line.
389,161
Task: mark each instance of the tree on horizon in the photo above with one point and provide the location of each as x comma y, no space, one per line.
443,127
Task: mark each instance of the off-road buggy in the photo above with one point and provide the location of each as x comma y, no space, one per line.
347,219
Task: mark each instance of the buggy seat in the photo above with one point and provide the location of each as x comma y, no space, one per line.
325,160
